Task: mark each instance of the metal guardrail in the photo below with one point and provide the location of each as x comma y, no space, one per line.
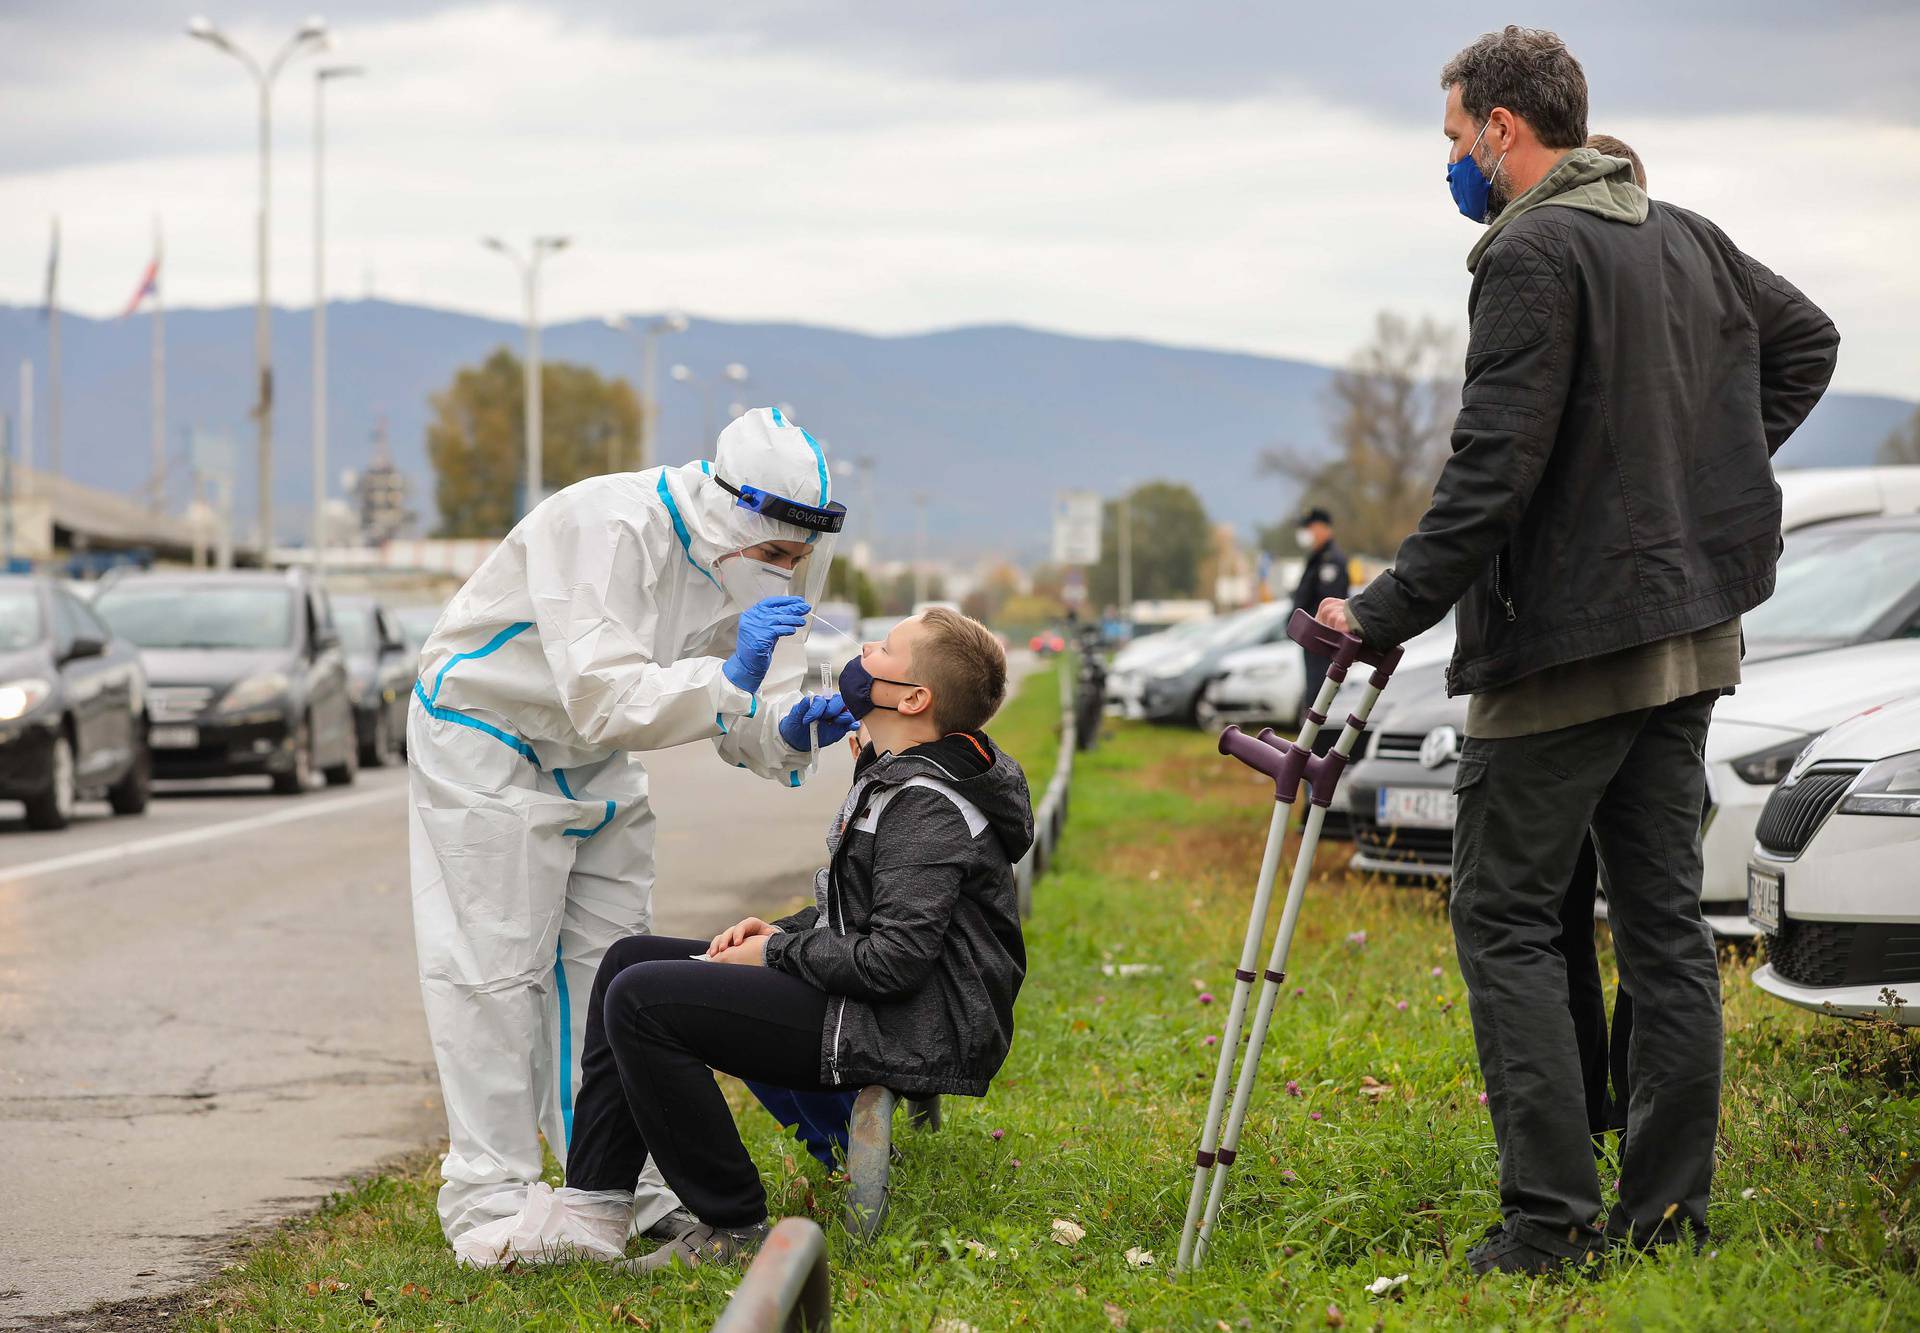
786,1286
1050,816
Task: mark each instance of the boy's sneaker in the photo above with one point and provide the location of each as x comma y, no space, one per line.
1501,1251
700,1245
670,1224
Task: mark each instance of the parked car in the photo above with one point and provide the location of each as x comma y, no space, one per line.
73,706
380,674
247,675
1170,686
1257,685
1834,877
1126,673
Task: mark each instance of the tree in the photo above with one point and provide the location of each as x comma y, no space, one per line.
848,583
1391,411
1169,536
1903,445
477,438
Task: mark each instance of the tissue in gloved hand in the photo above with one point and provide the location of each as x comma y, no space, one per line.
552,1226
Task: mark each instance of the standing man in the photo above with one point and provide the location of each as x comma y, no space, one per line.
1607,514
629,612
1323,576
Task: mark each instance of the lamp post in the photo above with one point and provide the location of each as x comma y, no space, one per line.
321,77
671,322
861,466
733,373
312,33
541,247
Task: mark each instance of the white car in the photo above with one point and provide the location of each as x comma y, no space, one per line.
1760,729
1258,684
1834,874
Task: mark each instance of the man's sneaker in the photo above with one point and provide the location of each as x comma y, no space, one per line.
669,1225
1500,1251
700,1245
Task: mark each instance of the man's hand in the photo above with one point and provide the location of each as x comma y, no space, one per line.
753,953
1333,614
739,933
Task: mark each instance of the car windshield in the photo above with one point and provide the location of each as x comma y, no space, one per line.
19,618
355,624
1833,585
180,615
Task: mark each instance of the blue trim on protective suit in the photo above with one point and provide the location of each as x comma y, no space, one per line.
566,790
793,777
566,1042
680,529
506,738
560,778
491,646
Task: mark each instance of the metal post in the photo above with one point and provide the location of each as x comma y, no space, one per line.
319,324
919,548
1126,566
534,462
649,396
53,357
25,435
6,492
786,1287
158,484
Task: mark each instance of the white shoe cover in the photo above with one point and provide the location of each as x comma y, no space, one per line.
553,1226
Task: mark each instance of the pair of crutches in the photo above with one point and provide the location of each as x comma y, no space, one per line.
1288,763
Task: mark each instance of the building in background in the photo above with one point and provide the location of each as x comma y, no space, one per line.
380,495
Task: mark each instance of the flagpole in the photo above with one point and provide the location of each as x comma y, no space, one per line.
157,498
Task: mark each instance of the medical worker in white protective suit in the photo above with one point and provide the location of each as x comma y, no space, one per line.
628,612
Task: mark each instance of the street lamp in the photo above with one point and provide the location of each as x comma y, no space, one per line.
321,77
733,372
671,322
312,33
529,267
863,467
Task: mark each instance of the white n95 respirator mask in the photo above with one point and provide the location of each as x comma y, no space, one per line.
748,581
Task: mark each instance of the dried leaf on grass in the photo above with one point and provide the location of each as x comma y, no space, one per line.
1067,1233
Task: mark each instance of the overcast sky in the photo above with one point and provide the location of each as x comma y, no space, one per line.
1227,175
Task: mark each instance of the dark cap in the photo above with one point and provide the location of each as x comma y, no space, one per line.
1316,515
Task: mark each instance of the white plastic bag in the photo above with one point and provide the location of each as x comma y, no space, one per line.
552,1226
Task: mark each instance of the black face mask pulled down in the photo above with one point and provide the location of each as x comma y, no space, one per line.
856,688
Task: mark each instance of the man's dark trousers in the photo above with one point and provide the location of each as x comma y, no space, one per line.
1526,803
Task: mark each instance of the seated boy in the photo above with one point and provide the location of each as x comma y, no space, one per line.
902,973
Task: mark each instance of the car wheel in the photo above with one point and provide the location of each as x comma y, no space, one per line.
1205,715
343,773
299,776
129,795
53,808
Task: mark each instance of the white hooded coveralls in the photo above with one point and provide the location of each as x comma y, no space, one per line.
595,630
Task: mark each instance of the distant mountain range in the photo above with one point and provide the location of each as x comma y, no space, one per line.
988,422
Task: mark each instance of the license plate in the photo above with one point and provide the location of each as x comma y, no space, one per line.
1765,890
1416,807
174,738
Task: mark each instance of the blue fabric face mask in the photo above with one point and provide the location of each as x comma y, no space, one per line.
1472,188
856,688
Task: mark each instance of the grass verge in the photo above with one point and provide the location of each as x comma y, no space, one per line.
1095,1117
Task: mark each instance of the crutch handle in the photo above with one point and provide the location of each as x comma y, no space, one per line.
1283,766
1344,649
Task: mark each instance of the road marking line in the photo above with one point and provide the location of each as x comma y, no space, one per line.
167,842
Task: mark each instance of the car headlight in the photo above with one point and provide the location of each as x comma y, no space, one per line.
1890,787
1765,768
254,691
20,697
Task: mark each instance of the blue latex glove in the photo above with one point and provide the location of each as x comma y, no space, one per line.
762,625
828,710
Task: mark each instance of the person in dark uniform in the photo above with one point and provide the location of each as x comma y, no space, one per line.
1325,575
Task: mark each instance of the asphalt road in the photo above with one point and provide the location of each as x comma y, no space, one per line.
209,1016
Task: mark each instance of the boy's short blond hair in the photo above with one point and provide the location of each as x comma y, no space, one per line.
1615,147
963,663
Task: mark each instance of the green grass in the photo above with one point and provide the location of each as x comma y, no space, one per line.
1096,1115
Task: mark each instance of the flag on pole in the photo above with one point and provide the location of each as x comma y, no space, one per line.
149,286
53,273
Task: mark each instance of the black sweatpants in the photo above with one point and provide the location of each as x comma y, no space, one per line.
1526,803
659,1023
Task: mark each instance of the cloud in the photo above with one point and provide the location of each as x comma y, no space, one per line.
744,178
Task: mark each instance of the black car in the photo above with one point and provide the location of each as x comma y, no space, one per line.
247,675
72,706
380,669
